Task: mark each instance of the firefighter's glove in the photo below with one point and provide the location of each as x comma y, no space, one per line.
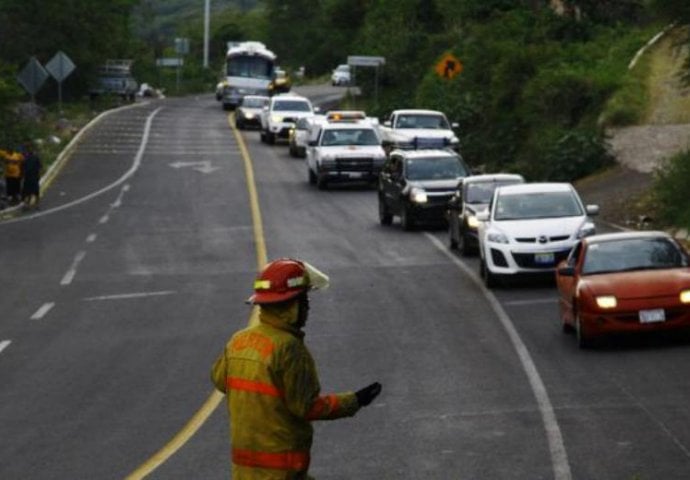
367,395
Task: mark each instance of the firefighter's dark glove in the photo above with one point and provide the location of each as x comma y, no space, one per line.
367,395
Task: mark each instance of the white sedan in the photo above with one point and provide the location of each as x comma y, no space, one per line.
530,228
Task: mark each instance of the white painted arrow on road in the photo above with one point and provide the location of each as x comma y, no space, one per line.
203,166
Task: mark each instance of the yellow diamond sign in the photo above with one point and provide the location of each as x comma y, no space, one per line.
449,66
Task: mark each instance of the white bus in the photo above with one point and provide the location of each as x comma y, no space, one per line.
249,70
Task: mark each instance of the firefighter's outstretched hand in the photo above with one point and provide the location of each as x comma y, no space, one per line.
367,395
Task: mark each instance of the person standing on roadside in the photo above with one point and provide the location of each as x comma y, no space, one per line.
13,174
271,383
31,188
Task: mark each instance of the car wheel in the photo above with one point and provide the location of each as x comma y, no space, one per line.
490,279
312,176
406,219
584,339
567,328
262,136
385,216
302,152
292,150
321,182
270,138
463,245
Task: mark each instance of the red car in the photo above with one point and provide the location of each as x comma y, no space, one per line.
624,282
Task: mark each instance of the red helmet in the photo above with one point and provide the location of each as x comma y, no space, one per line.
280,280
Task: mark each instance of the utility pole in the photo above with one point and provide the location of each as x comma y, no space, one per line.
207,23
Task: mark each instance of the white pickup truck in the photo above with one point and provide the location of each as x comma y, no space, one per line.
415,128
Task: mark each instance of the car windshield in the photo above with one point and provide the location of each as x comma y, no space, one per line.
525,206
250,102
291,106
633,254
349,136
481,192
343,69
437,122
435,168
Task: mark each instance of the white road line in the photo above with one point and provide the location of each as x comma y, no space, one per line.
69,276
132,170
127,296
41,312
559,456
104,219
4,344
91,238
531,302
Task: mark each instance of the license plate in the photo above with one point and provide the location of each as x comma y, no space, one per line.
544,258
355,174
651,316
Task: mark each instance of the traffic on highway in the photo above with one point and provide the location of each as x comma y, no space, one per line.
471,296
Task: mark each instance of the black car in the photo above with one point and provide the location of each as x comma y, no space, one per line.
473,196
416,185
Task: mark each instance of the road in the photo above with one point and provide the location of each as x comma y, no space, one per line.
118,295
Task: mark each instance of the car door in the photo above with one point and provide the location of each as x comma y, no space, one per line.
566,284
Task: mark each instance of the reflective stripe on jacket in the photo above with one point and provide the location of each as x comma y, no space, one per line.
273,393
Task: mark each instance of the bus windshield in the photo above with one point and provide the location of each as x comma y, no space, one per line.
250,67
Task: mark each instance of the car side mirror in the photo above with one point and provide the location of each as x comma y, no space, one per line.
482,216
317,109
592,210
567,271
455,125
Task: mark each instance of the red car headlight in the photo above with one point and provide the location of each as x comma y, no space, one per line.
606,301
685,296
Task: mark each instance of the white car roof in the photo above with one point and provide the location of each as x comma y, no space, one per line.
535,188
413,111
493,177
431,152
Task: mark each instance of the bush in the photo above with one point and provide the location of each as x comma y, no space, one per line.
670,190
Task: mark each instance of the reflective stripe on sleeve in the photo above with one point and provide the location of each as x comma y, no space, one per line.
323,406
262,388
297,461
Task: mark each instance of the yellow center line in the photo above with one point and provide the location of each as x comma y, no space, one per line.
215,399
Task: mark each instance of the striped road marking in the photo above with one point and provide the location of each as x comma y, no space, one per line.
41,312
69,276
4,344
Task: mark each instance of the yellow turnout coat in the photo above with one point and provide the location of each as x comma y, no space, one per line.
273,394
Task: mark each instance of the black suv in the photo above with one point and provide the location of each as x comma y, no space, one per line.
417,185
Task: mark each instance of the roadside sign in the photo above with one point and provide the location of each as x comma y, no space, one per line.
170,62
60,66
364,61
33,76
182,46
448,67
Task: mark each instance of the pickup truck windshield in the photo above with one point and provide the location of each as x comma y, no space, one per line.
436,122
291,106
435,168
349,136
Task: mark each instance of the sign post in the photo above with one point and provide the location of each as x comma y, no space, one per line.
448,67
60,67
367,61
181,48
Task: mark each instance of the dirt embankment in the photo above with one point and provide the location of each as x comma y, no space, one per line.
639,150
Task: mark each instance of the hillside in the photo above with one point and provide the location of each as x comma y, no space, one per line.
168,14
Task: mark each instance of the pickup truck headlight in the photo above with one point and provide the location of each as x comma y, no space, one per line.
277,118
418,195
496,237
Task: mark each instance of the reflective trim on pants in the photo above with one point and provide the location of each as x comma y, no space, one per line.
296,461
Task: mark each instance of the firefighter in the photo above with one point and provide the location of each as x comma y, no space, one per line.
271,383
13,174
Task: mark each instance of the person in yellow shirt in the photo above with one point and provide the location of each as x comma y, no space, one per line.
13,174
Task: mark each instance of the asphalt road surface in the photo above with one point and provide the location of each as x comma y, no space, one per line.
118,295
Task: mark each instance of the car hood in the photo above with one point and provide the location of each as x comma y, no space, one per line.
550,227
450,185
409,134
640,284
